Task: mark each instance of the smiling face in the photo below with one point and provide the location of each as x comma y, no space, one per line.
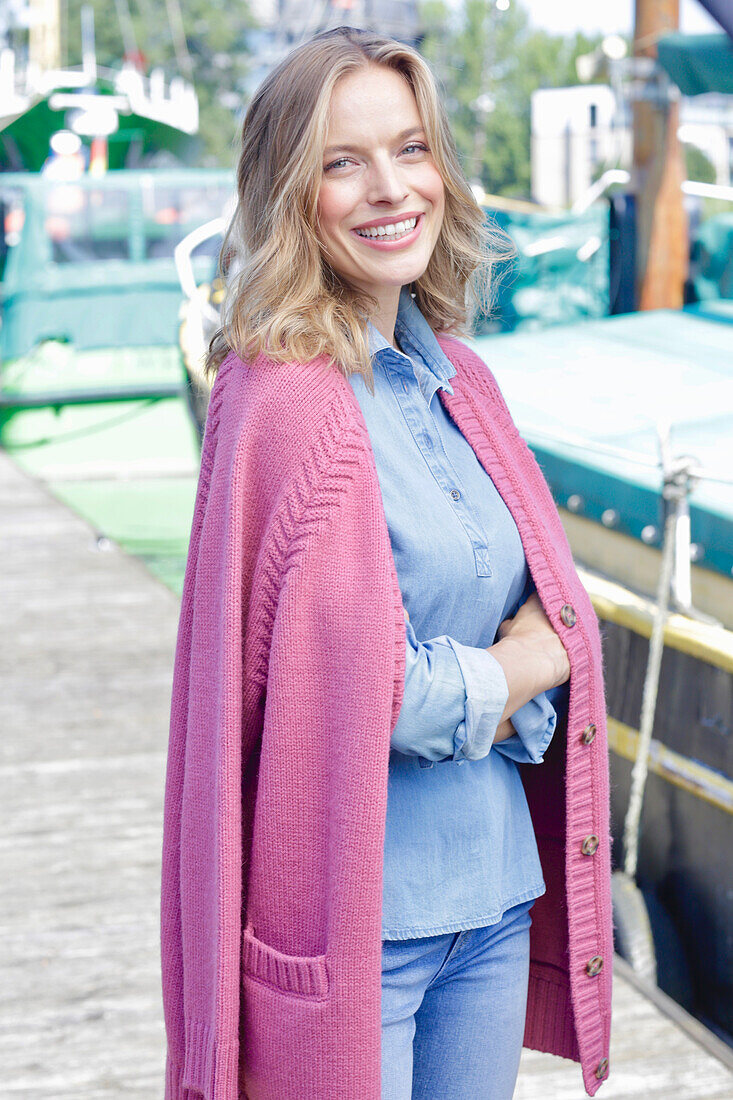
381,199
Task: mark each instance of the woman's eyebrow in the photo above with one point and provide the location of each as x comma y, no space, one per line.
409,132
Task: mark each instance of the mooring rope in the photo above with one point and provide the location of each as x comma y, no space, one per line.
677,484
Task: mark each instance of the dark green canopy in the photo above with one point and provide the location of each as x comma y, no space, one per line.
698,63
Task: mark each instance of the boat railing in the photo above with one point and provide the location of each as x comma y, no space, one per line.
49,399
182,254
679,475
174,103
599,188
708,190
619,175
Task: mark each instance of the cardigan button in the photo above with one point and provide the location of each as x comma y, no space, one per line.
568,616
589,847
594,966
588,734
602,1068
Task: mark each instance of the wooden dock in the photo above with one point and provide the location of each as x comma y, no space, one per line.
87,656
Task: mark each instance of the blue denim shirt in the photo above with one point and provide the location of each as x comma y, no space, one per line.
459,844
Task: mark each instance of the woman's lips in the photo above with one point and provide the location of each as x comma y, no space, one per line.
385,244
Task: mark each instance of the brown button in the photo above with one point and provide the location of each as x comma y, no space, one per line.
594,966
589,845
567,614
588,734
602,1068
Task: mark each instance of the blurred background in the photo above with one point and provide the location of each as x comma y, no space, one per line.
600,137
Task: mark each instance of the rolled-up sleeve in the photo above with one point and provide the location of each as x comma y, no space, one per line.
486,695
535,724
453,700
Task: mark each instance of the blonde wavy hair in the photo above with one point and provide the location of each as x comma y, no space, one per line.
282,296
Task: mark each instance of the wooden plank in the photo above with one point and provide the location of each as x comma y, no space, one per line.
87,650
87,653
652,1056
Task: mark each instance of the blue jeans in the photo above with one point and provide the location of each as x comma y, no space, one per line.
453,1011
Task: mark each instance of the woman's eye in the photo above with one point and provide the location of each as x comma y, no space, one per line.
414,146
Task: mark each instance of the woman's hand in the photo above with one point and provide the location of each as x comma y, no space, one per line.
530,617
531,625
531,654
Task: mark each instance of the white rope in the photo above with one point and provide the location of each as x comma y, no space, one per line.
127,29
677,485
178,37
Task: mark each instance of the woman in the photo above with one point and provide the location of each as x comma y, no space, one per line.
350,853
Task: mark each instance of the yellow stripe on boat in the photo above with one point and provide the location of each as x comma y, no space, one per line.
705,641
703,782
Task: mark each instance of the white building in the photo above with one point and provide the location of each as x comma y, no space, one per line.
707,122
577,132
574,130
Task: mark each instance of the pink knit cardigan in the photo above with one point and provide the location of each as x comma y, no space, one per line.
288,680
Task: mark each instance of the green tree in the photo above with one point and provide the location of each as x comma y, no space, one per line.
215,36
699,167
489,62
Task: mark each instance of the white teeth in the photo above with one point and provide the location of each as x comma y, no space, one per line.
396,229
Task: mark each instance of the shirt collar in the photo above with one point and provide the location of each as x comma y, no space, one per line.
424,360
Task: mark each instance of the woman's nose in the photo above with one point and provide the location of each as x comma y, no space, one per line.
385,183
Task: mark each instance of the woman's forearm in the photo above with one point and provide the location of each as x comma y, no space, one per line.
504,730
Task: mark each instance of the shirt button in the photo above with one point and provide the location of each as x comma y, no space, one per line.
594,966
455,494
589,847
588,734
602,1068
567,614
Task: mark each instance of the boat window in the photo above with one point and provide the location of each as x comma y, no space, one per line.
87,225
173,210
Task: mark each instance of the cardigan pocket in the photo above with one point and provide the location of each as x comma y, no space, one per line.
303,976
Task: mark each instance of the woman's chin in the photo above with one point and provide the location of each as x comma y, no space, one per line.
384,276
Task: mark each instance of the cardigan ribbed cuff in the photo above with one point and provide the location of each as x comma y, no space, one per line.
209,1071
174,1088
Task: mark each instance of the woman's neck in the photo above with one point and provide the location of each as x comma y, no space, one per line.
385,316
